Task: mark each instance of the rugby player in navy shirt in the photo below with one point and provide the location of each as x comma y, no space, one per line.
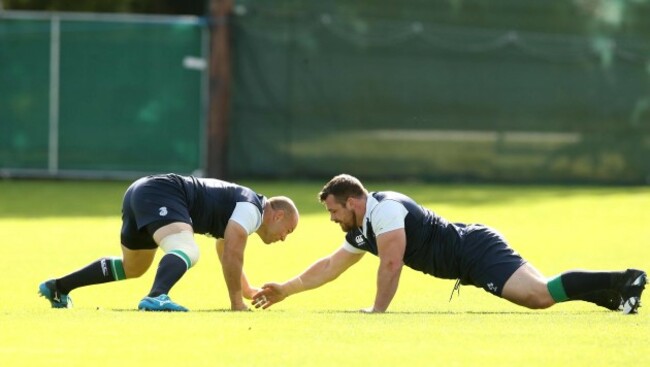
400,232
165,211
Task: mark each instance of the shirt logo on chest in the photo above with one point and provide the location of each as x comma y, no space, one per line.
162,211
359,240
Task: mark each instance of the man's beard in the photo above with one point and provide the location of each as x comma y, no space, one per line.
348,227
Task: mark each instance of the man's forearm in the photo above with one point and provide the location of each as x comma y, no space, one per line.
387,281
232,273
316,275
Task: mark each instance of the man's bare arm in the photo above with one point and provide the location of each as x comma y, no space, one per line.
322,271
391,246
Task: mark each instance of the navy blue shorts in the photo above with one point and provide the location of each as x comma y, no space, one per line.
486,260
150,203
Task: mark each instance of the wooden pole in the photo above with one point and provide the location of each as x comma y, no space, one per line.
219,88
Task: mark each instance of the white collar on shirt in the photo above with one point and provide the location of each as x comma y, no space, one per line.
371,203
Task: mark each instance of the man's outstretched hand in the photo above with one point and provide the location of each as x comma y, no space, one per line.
270,294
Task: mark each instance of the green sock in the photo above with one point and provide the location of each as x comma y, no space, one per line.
556,289
104,270
117,268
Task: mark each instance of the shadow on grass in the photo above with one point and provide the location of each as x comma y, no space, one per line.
216,310
436,312
399,313
478,313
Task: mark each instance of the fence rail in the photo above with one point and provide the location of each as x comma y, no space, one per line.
124,94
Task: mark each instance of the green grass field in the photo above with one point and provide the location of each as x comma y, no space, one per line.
51,228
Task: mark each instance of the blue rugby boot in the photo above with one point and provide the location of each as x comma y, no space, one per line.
631,287
48,290
160,303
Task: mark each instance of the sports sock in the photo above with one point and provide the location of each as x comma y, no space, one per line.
103,270
582,285
170,270
610,299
